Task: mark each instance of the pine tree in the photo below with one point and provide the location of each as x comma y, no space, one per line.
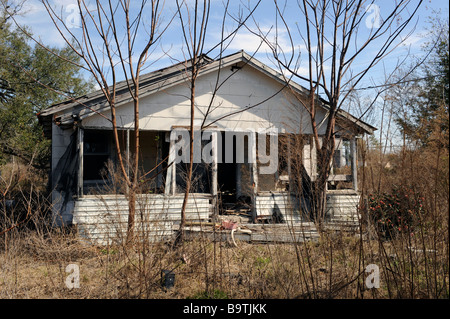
429,123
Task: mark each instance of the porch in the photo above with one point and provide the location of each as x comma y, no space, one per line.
267,206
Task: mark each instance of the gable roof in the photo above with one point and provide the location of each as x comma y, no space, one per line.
65,113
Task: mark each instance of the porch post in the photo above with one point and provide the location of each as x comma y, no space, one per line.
354,165
171,170
80,160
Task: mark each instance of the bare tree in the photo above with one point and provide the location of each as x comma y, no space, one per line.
194,19
110,45
194,33
335,37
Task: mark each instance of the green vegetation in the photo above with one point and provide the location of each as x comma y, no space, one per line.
216,294
32,78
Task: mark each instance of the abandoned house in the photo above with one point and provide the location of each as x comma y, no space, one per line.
237,98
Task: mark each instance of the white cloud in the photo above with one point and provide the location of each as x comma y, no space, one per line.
248,42
414,41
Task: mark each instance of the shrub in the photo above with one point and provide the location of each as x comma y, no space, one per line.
395,212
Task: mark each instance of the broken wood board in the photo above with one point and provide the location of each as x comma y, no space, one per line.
276,233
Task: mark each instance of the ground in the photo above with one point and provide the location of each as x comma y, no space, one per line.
34,266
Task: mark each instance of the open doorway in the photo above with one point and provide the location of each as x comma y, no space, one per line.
233,173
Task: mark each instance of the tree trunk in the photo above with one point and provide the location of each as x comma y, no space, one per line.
131,215
325,157
180,236
135,179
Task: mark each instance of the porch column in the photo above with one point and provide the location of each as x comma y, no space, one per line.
80,161
354,164
171,169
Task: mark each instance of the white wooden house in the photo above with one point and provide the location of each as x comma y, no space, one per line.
234,94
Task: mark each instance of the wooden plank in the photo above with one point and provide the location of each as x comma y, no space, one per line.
122,227
266,203
340,178
112,210
103,219
144,196
162,210
280,237
151,217
124,202
159,204
176,211
119,217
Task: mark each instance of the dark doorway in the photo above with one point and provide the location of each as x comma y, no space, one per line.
233,176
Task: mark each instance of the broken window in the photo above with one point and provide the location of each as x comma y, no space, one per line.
267,178
341,168
97,151
201,180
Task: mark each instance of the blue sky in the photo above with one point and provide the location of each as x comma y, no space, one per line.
35,16
171,48
38,20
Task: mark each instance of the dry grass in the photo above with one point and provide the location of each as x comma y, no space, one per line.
34,267
34,257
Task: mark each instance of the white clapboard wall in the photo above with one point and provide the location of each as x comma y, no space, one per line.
342,211
102,219
283,202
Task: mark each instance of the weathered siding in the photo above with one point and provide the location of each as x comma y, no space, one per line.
284,203
342,210
103,219
235,98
